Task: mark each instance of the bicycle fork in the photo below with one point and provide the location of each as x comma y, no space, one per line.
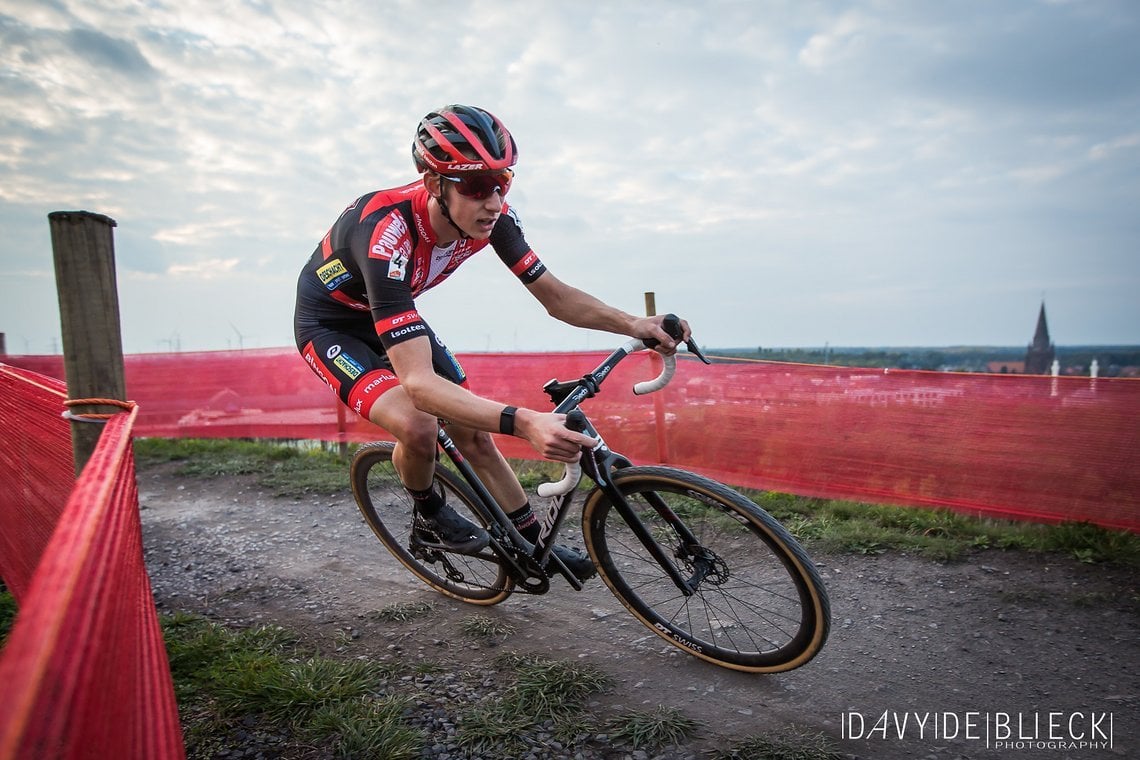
598,463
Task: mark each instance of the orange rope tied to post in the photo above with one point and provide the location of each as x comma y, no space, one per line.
96,417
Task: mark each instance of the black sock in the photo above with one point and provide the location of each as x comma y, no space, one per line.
525,522
428,502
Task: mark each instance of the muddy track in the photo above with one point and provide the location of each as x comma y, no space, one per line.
1000,634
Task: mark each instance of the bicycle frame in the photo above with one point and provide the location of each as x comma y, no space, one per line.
596,464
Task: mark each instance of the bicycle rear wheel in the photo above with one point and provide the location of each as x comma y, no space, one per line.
388,510
759,604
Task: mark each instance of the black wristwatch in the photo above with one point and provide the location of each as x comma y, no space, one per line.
507,420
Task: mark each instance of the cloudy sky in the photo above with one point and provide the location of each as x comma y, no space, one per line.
781,173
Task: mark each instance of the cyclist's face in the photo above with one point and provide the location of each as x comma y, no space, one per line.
475,217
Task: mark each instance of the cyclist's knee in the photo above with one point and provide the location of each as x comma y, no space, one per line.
415,430
477,445
419,440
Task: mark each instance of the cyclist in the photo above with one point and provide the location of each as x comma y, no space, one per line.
357,326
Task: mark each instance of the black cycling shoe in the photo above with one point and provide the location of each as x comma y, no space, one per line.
576,560
453,531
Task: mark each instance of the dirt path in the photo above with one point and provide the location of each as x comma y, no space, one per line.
1003,635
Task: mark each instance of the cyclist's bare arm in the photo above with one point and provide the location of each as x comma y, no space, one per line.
575,307
430,393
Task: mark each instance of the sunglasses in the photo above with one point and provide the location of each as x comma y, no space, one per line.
481,186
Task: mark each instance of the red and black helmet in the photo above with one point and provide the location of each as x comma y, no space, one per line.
456,139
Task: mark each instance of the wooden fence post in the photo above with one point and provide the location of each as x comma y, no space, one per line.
84,251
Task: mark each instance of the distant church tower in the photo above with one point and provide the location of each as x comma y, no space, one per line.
1039,357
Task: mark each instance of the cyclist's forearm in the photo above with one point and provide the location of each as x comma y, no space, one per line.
436,396
580,309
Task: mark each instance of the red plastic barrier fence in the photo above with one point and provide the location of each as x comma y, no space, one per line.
36,471
1033,447
84,672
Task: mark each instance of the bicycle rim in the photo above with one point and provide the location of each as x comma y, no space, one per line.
759,606
388,510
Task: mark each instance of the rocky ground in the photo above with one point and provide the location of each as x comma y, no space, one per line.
961,652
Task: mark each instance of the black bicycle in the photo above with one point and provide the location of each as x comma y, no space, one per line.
699,564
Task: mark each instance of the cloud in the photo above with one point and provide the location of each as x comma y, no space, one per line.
785,161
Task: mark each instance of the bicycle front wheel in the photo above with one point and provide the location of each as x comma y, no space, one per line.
388,509
757,603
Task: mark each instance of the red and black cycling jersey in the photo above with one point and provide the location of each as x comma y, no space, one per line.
381,253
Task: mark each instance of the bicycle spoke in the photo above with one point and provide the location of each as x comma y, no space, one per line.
751,607
389,511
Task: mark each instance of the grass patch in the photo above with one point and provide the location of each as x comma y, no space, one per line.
794,744
541,691
283,469
402,611
653,729
236,683
484,626
828,526
7,613
939,534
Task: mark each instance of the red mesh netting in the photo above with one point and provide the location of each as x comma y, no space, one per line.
84,672
36,471
1009,445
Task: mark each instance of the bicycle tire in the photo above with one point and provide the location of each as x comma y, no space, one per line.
762,609
388,509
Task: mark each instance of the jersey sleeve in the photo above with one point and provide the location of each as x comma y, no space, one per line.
509,243
385,259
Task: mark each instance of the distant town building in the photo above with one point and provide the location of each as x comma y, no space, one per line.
1039,358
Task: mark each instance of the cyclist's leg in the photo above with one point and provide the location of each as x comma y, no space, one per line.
355,367
483,455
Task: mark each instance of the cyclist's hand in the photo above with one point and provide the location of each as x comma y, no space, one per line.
650,327
549,436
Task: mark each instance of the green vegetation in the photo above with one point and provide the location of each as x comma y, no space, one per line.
849,527
7,612
484,626
825,526
232,684
653,729
282,468
541,691
400,611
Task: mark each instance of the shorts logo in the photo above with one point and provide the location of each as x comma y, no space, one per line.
348,366
333,274
333,351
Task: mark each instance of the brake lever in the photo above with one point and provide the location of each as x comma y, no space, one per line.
695,350
672,325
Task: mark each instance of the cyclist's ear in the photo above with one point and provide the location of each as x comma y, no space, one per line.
433,184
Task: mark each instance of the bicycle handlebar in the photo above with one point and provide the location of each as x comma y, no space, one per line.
575,420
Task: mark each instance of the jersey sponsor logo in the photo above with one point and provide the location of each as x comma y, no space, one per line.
369,389
526,264
391,238
333,351
333,274
420,327
390,323
319,369
454,362
349,366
